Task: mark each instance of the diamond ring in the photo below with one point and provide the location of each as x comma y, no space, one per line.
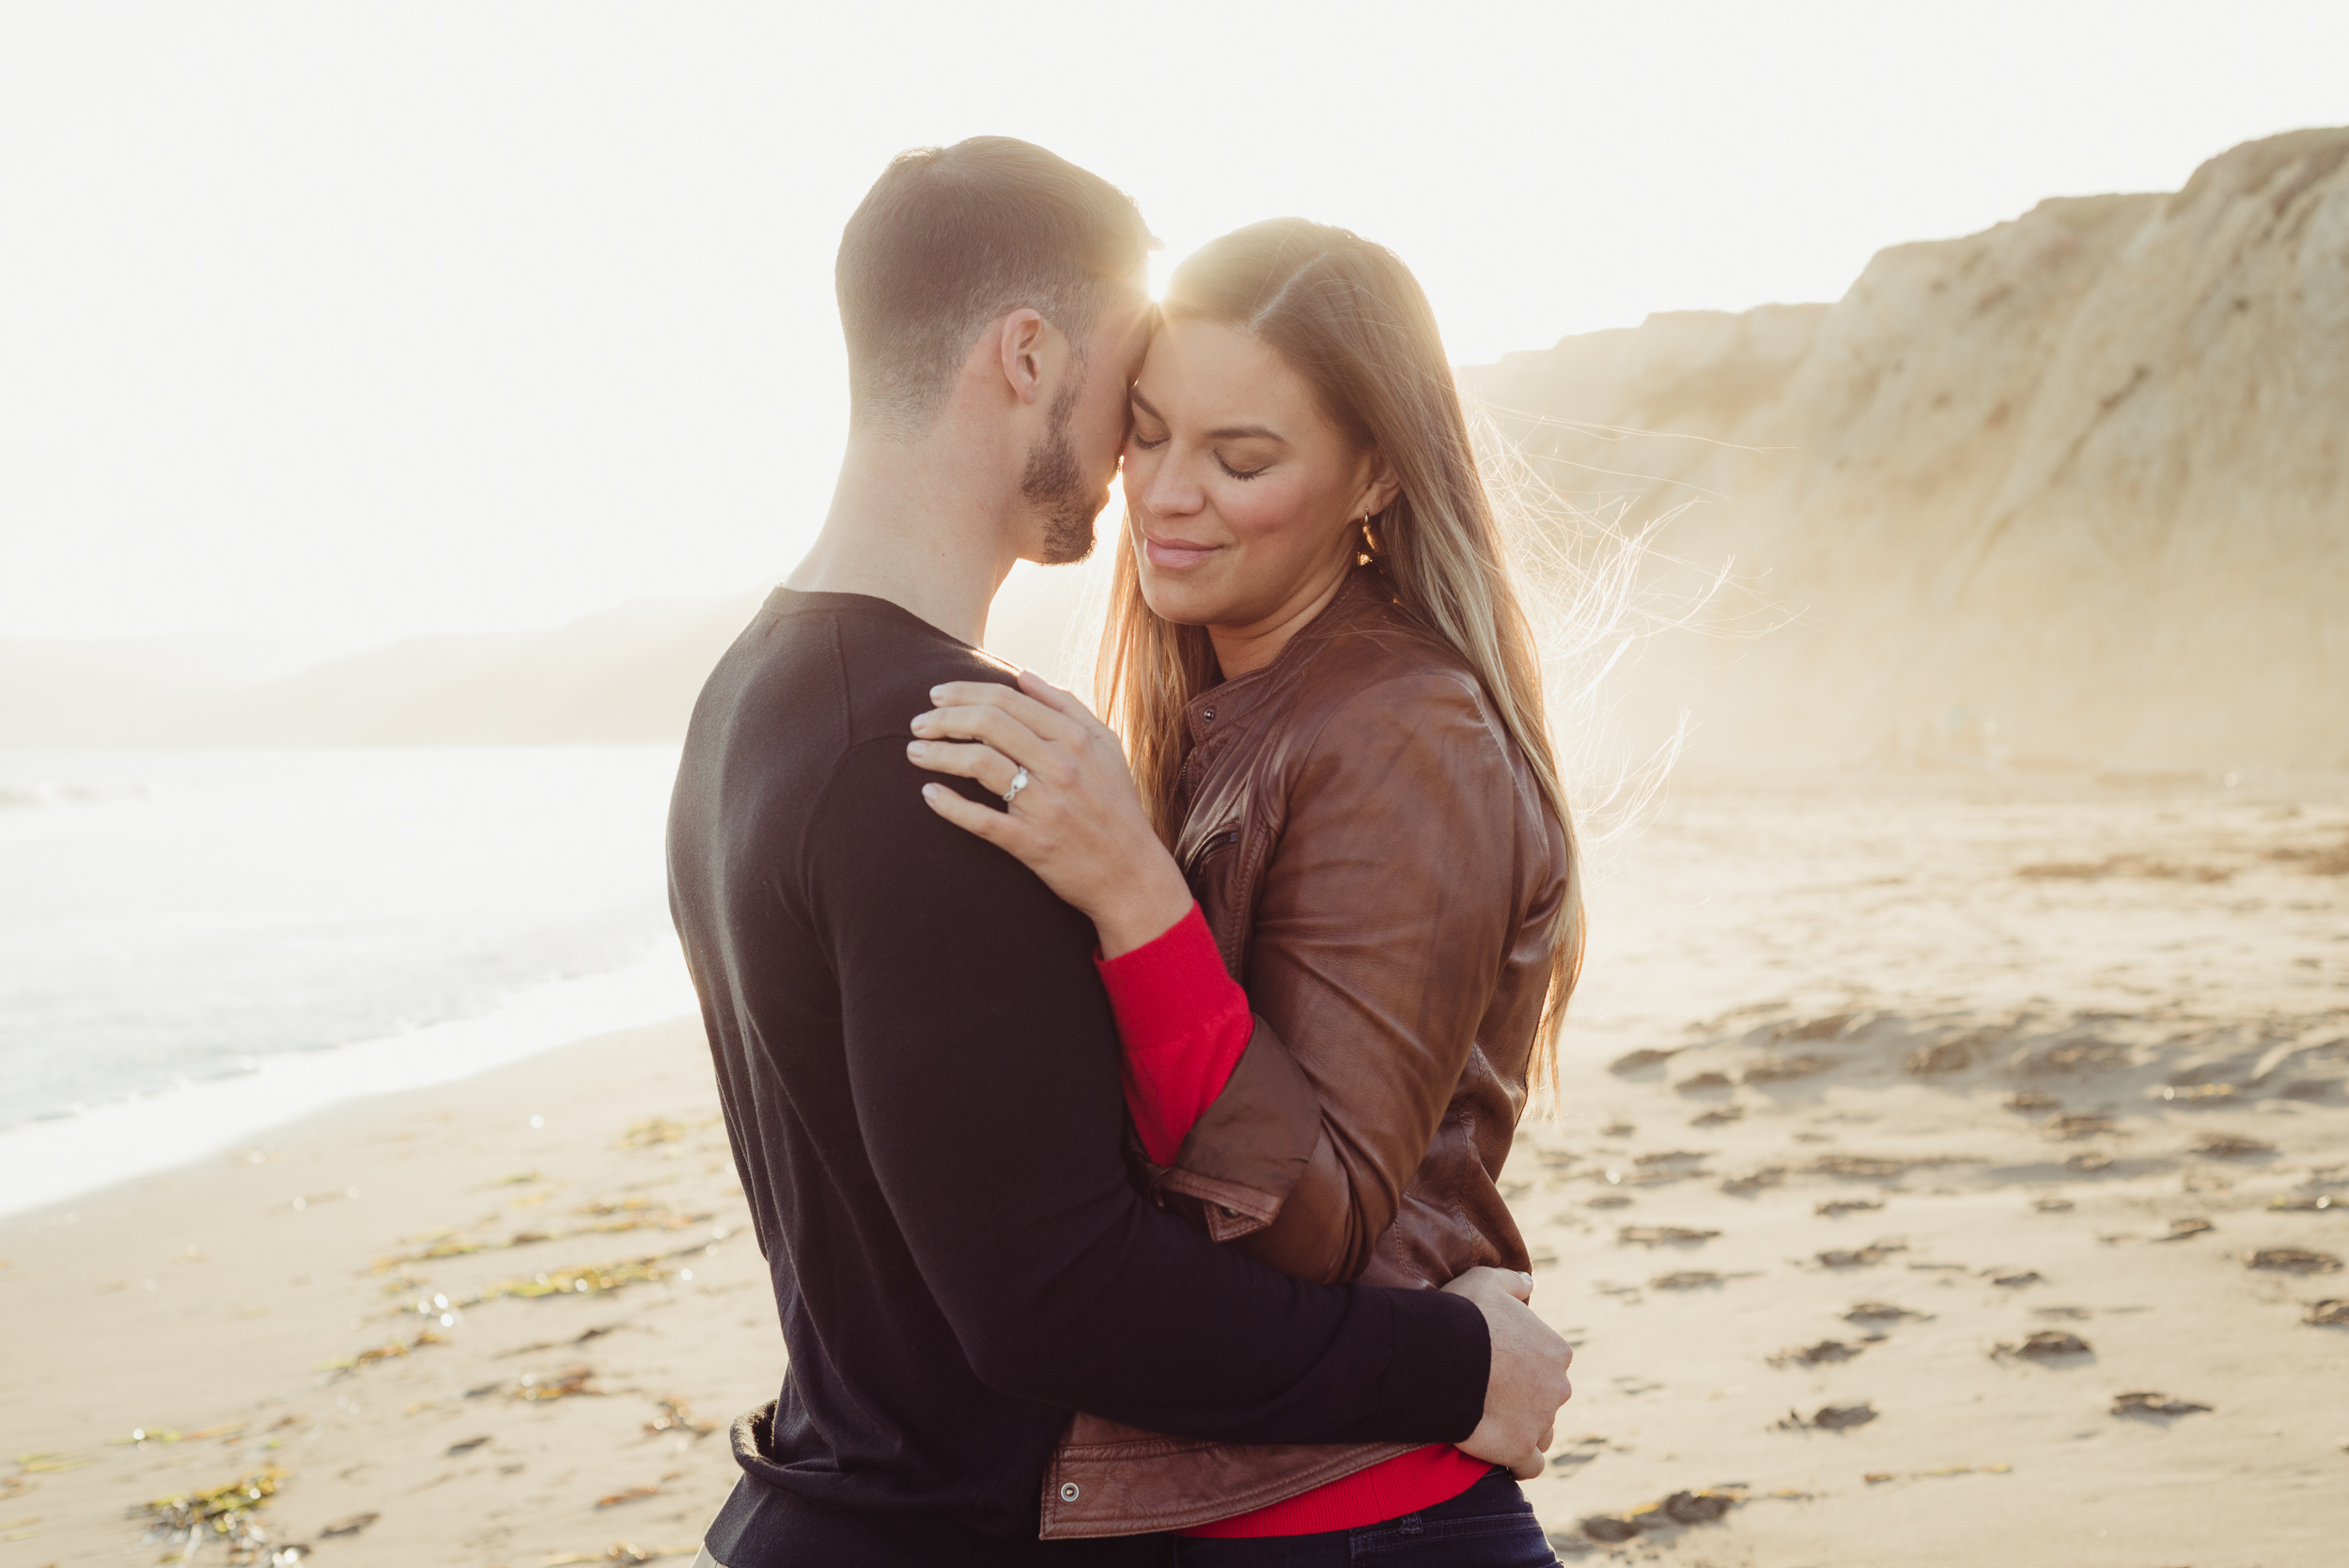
1019,782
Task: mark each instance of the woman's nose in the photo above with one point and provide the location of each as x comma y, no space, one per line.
1169,492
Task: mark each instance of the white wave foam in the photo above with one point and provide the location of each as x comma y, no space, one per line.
45,1163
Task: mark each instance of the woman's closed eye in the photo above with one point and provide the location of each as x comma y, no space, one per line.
1224,463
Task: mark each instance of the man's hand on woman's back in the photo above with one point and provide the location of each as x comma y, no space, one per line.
1527,1383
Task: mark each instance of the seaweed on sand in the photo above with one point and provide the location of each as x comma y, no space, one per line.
226,1511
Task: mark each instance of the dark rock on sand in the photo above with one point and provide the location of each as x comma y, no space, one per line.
1663,1236
1779,1069
2220,1145
1831,1417
1639,1061
2144,1404
1878,1312
2295,1260
1696,1508
2048,1345
2077,1125
1861,1257
1949,1056
1692,1279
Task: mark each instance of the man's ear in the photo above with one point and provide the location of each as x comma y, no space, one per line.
1019,353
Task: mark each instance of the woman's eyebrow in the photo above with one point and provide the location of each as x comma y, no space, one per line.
1222,432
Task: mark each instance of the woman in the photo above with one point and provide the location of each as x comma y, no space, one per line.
1332,708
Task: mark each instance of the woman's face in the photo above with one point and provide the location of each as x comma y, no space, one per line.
1244,494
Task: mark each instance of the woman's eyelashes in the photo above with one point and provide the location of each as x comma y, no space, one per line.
1145,441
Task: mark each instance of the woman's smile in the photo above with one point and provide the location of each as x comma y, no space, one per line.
1174,554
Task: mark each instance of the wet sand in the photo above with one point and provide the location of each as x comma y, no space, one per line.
1931,1146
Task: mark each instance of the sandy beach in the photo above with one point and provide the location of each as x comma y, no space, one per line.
1952,1169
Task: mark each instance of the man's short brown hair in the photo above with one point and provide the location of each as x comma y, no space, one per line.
950,238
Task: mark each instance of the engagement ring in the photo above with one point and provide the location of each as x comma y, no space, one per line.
1019,782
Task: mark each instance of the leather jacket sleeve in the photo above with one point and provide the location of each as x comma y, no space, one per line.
1383,916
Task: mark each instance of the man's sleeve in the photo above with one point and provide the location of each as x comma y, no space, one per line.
984,1062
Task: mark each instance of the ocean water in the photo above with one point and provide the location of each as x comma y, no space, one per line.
195,945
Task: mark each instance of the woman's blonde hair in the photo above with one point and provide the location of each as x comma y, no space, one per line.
1348,316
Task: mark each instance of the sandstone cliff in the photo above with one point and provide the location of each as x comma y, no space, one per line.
2072,490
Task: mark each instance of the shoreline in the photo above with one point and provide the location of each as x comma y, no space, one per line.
49,1161
206,1307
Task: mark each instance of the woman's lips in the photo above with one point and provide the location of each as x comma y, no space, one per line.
1175,555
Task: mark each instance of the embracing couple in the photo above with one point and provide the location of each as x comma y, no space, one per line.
1122,1116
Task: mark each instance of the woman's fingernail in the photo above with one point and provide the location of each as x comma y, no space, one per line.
931,792
914,748
938,693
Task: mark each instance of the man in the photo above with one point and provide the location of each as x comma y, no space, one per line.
918,1065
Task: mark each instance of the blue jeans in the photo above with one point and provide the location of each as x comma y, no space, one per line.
1488,1525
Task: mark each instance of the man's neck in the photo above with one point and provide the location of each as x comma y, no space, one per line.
914,523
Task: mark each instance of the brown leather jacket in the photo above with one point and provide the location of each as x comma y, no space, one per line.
1381,875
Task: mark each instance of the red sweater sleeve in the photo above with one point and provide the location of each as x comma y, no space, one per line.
1185,1022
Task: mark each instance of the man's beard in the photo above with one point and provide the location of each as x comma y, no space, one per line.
1054,485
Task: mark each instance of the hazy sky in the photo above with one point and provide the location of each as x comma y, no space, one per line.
354,320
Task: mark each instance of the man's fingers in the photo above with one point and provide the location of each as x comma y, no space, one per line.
1530,1467
984,765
